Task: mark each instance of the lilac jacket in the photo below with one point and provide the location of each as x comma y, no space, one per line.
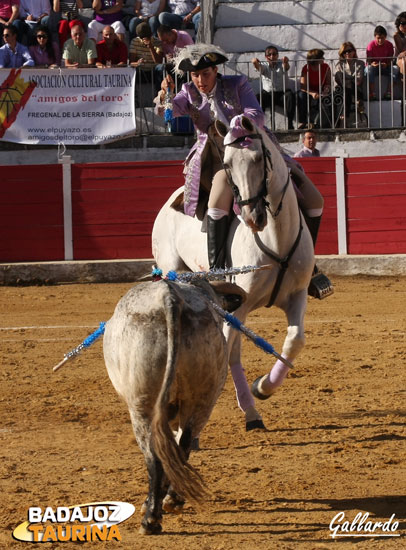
234,96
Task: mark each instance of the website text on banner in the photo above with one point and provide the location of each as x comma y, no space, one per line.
73,107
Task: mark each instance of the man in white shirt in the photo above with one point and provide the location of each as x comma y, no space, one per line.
275,90
309,146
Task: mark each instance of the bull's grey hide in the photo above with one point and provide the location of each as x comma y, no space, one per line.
166,356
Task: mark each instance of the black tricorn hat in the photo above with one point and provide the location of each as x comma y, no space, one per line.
197,57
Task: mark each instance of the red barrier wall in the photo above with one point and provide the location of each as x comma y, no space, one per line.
114,206
322,172
376,205
31,213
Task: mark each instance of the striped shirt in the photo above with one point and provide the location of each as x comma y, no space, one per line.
183,7
69,6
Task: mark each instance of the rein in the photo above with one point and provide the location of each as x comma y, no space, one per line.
283,262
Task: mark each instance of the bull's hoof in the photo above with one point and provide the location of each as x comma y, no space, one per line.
256,424
150,528
256,391
195,446
172,505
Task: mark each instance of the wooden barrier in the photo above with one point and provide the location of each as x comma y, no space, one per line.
31,213
114,206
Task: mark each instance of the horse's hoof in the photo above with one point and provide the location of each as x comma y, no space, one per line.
256,424
195,445
148,528
255,390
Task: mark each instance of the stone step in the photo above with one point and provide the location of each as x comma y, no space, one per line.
271,12
294,37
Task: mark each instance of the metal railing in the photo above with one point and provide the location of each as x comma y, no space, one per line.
340,105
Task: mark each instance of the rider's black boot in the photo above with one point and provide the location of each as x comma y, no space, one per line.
320,285
217,231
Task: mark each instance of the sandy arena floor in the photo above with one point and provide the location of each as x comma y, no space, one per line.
336,439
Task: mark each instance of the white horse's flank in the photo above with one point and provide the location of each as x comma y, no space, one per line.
178,243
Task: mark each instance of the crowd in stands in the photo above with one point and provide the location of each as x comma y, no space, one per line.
46,34
146,33
345,87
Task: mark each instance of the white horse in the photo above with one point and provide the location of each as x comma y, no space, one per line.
273,233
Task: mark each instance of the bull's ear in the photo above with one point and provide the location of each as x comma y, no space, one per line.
230,294
221,128
247,124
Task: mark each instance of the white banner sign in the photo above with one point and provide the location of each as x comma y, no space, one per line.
69,106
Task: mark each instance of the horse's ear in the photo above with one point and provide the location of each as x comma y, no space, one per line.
221,128
247,124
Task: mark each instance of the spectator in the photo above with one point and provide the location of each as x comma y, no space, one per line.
146,53
309,146
79,51
14,55
349,75
44,52
106,12
315,84
146,11
111,52
380,54
275,84
173,40
9,15
64,16
33,12
181,14
400,41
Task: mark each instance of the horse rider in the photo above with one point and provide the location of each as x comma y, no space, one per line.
210,96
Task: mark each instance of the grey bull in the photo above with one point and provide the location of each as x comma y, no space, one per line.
167,358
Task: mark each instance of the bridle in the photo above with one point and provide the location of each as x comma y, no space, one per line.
283,262
263,192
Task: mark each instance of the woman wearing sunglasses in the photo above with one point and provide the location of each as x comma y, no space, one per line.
349,74
400,41
44,52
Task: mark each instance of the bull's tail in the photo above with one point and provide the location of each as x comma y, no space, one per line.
184,479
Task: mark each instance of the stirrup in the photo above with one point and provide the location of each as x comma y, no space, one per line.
320,286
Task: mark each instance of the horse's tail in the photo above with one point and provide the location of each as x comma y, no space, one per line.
185,480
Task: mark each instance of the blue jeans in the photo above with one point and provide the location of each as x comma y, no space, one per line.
175,21
373,72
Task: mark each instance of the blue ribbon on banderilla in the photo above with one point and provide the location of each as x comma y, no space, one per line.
233,321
